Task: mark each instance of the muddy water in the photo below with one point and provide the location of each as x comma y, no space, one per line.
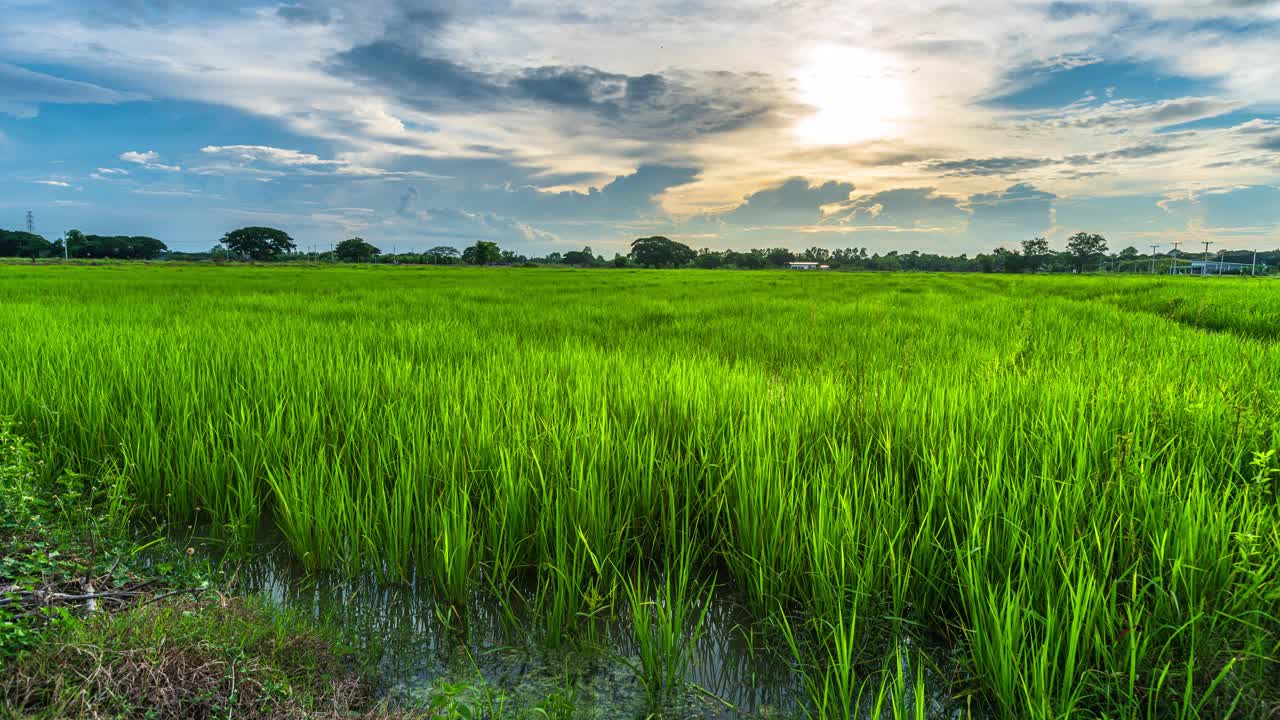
494,663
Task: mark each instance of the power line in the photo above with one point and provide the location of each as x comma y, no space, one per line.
1153,257
1204,271
1173,265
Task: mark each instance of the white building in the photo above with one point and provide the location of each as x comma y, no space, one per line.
805,266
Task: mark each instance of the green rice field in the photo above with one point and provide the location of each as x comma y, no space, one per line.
1068,483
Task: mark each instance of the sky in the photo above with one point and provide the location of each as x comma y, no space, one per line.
938,126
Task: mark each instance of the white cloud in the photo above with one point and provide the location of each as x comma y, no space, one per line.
147,160
52,183
266,162
167,193
142,158
109,174
266,154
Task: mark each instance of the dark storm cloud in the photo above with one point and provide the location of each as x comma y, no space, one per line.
428,83
794,202
1164,113
679,104
904,208
304,14
583,87
996,166
143,13
1014,213
626,196
1132,152
1069,10
407,201
453,224
879,153
969,167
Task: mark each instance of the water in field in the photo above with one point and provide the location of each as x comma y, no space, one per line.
494,664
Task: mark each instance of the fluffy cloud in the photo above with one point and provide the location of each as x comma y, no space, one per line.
265,161
271,155
147,159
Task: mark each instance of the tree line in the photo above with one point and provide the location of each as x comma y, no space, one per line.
1083,252
75,244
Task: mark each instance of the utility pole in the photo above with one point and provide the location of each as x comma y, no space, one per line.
1174,261
1153,258
65,251
31,222
1253,267
1204,271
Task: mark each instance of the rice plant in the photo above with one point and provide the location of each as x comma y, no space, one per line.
1071,480
666,621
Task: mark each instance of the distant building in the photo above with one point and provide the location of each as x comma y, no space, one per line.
806,266
1218,267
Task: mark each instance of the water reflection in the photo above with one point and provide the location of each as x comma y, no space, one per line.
421,644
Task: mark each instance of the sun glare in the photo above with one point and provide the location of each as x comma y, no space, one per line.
856,95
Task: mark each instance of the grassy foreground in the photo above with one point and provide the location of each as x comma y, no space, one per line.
1073,481
113,631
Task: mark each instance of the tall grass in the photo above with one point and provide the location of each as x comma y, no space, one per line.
1070,483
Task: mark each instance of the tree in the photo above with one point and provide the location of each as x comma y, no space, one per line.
1035,252
74,243
1128,257
1000,260
1035,247
579,257
751,260
817,254
1085,249
258,243
659,251
483,252
17,243
120,247
356,250
779,256
442,255
146,248
708,259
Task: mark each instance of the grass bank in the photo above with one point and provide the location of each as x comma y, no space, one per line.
96,623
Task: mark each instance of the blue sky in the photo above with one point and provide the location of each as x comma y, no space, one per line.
549,125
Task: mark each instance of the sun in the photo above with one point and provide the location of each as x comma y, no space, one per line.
856,94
